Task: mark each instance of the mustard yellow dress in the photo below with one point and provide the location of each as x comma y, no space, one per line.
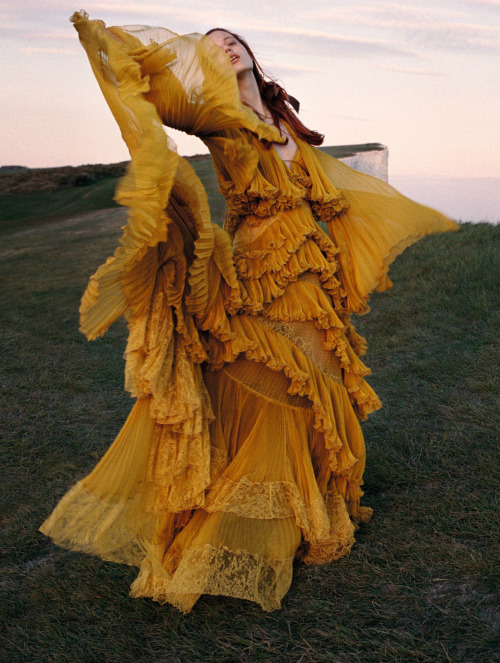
243,450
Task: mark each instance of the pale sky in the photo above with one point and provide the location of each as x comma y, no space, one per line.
421,77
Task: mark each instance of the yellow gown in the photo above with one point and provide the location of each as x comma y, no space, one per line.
243,450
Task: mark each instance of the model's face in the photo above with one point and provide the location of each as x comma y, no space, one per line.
237,53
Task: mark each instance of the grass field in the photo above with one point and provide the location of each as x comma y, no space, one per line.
35,201
420,583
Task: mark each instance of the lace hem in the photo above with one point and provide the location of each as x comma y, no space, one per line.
217,571
83,522
339,541
176,479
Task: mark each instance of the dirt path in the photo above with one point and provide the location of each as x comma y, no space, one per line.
108,219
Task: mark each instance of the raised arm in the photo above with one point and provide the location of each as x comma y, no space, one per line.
187,78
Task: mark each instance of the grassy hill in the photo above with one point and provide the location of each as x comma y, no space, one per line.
419,584
51,192
32,193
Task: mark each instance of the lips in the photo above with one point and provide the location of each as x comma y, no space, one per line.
234,58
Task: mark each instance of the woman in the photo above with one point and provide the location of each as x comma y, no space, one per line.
243,450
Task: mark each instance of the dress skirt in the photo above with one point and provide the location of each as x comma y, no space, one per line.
273,494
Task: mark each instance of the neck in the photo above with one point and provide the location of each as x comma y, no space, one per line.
250,93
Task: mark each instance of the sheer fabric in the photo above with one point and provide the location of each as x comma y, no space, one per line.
243,450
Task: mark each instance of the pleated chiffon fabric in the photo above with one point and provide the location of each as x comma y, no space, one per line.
243,451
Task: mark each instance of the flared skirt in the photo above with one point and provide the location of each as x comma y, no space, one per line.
276,492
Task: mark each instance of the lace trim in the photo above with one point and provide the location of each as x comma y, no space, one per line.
302,342
217,571
268,500
173,485
341,537
83,522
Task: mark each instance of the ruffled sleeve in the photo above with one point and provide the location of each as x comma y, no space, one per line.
188,78
373,225
166,201
195,89
172,275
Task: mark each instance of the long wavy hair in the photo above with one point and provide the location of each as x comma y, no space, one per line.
276,99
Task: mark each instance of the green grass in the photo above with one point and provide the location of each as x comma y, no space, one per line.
98,195
420,583
74,200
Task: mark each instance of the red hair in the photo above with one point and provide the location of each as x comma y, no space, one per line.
276,99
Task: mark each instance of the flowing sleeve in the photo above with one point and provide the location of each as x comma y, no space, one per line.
172,275
375,224
187,78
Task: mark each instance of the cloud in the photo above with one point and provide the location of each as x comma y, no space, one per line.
364,13
411,25
290,39
409,70
455,37
493,4
134,9
126,12
28,16
292,68
359,30
318,42
33,34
